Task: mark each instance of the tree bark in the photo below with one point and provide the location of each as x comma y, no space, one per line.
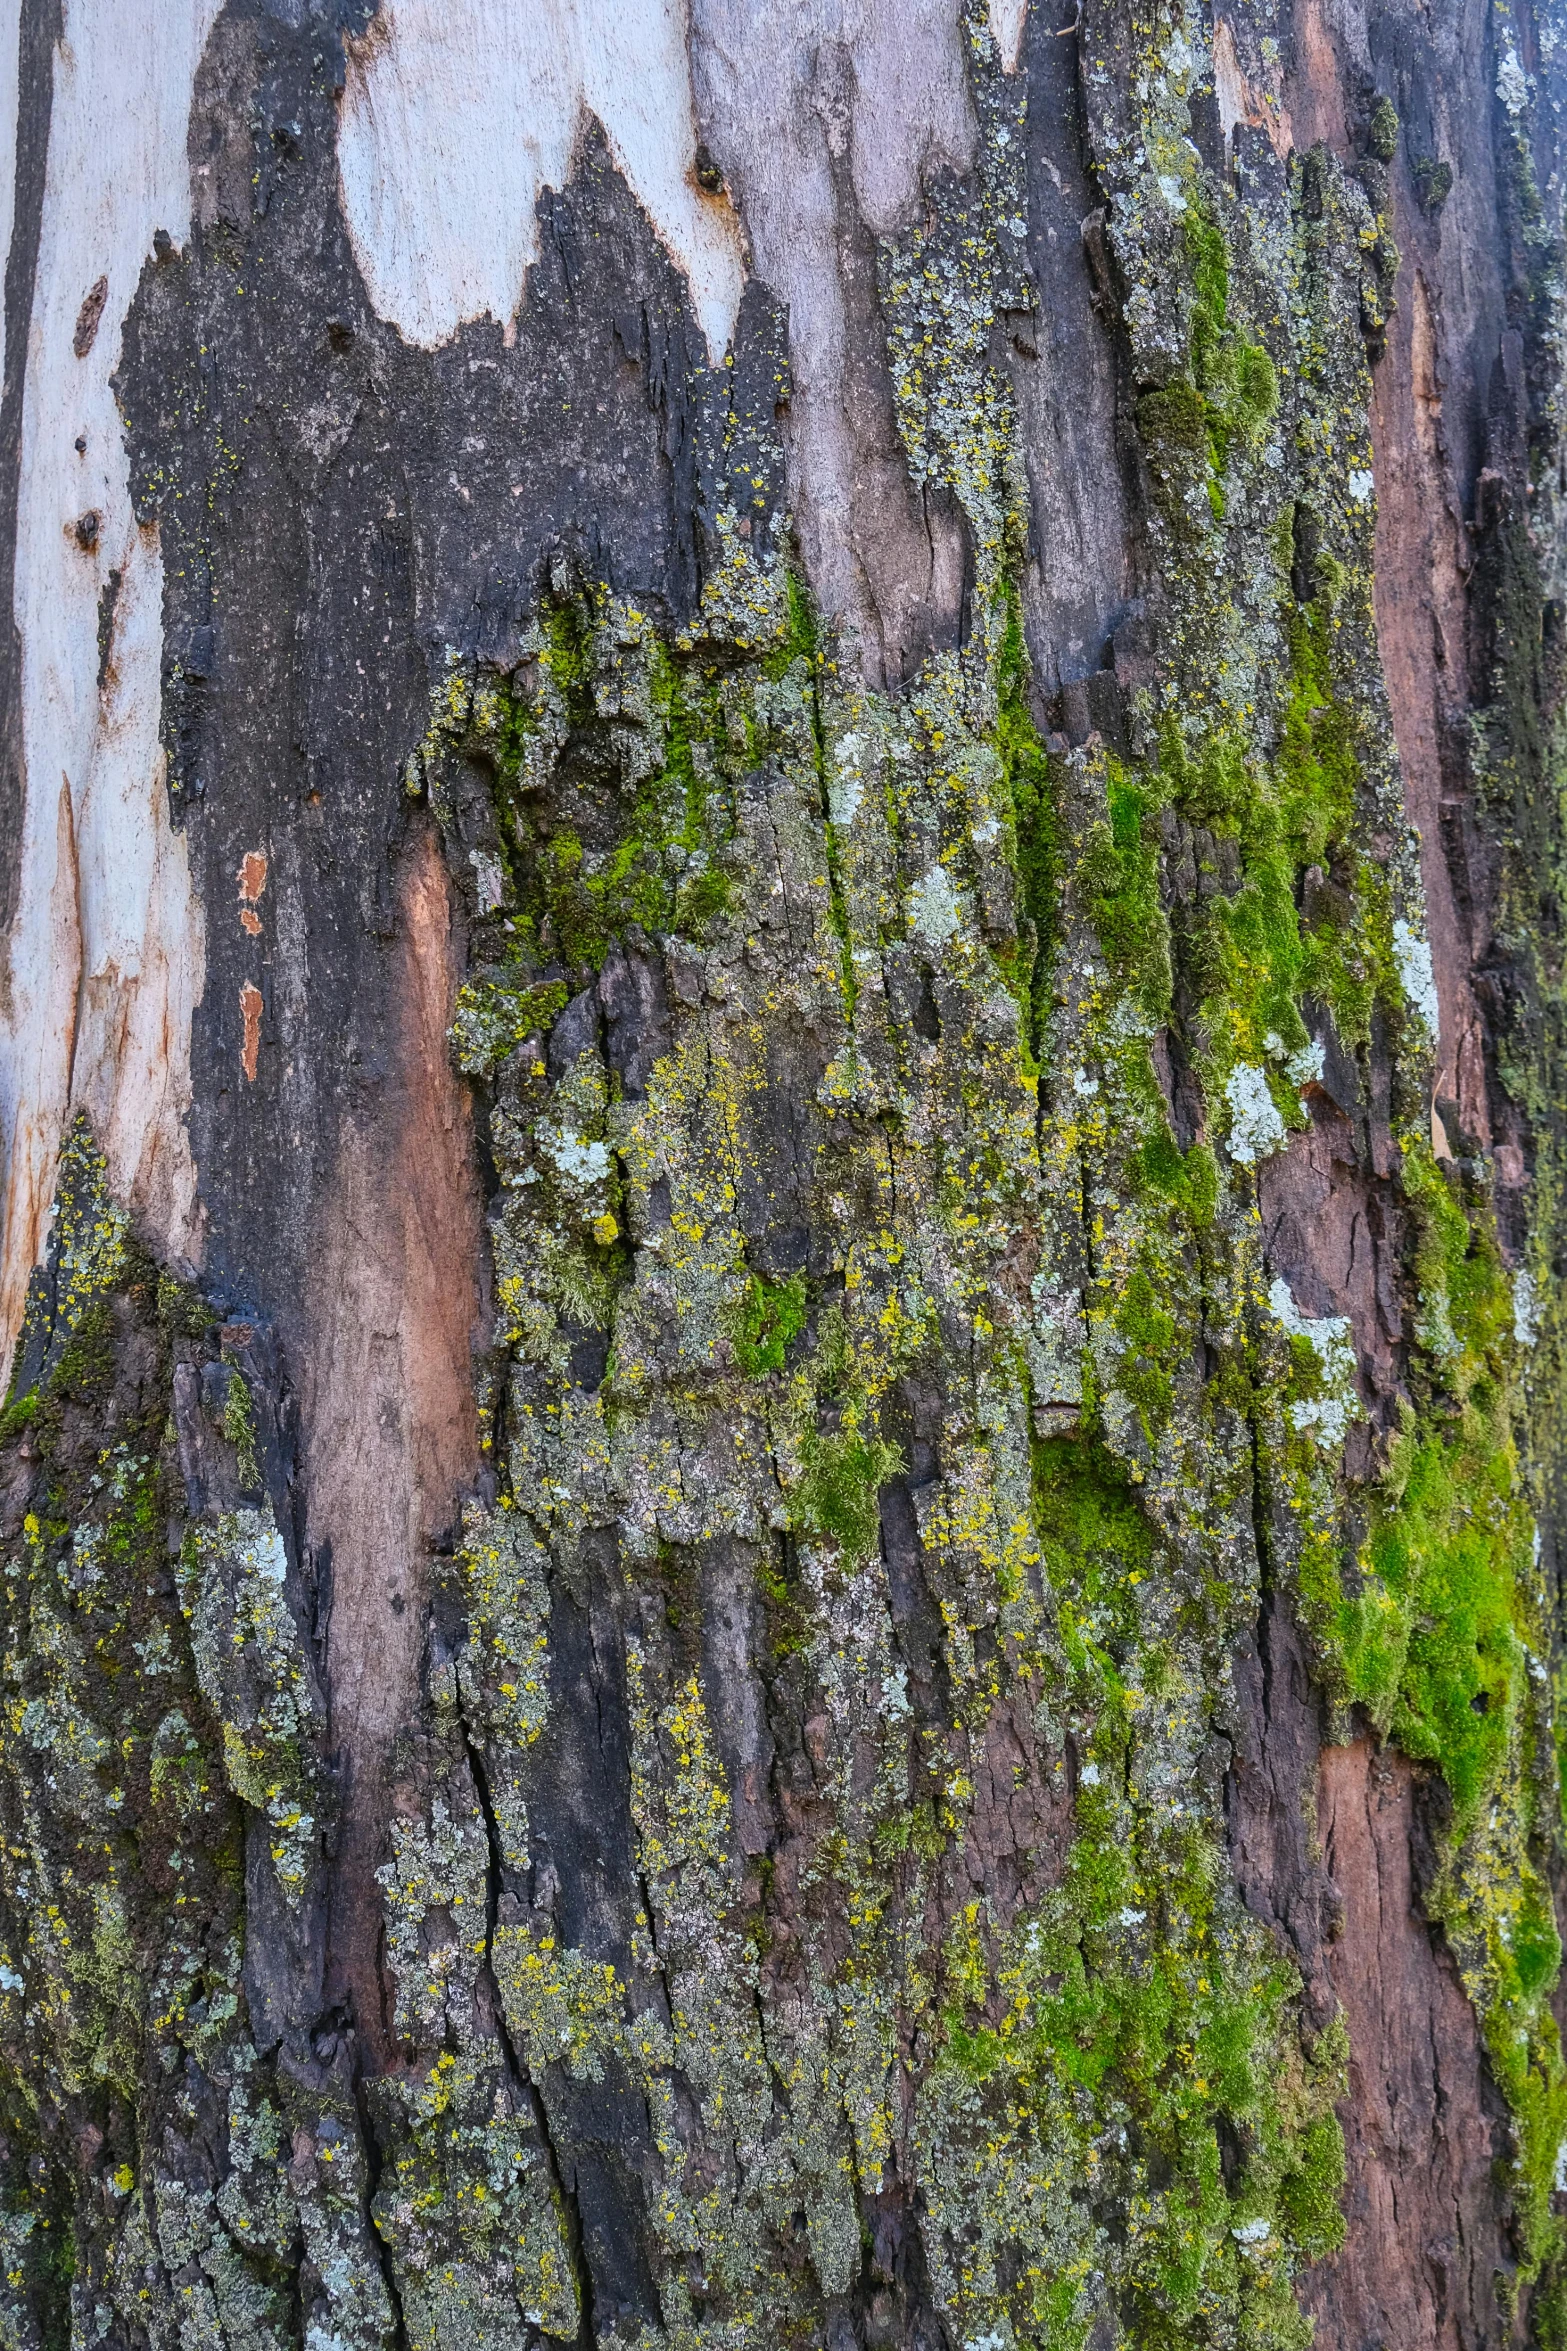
782,865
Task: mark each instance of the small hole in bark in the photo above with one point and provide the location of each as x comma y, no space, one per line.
1232,2155
927,1020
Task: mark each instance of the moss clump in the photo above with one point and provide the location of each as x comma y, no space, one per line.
1382,130
1430,1626
1025,768
1193,425
1433,182
17,1415
1121,877
610,764
654,862
1096,1547
837,1497
771,1315
1188,1180
239,1427
494,1017
1172,425
1234,376
1277,907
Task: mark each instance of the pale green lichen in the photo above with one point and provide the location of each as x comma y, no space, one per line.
251,1666
473,2222
977,937
177,2207
944,287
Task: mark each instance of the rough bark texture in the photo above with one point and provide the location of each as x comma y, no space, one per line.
782,1495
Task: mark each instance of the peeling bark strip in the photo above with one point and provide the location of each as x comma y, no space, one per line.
782,1488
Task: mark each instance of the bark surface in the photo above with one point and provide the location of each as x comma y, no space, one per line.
782,866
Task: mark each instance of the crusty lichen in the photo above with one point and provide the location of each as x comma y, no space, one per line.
251,1668
162,2179
1022,1287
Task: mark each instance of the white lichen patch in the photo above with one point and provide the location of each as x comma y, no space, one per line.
1526,1308
1331,1338
584,1163
1305,1067
1256,1127
934,910
1512,83
1417,976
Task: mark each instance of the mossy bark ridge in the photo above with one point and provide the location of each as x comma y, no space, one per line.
782,1491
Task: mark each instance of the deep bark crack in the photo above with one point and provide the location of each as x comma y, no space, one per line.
521,2079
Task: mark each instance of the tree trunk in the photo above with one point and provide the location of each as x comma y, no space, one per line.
783,871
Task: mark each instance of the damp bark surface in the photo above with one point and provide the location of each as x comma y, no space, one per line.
782,1042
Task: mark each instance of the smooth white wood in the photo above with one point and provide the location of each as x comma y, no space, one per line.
457,113
105,956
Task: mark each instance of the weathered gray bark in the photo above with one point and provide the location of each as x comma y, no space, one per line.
782,867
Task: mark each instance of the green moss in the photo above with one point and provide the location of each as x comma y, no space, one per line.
771,1315
837,1497
1148,1329
494,1017
1025,768
1382,130
801,640
1427,1637
1235,377
17,1415
1255,953
1120,874
615,767
1193,426
788,1607
1188,1180
1172,424
182,1312
239,1426
1433,182
1096,1547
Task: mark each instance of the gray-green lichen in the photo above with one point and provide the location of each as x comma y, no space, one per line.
165,2179
944,962
250,1665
